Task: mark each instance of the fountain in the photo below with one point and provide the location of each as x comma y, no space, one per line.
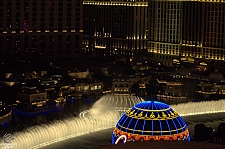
196,108
46,134
114,102
101,117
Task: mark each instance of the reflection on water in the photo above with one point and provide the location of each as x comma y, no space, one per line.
66,109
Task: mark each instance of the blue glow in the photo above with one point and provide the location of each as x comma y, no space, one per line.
189,138
122,117
143,128
167,112
89,100
135,125
129,124
152,127
6,123
124,121
175,125
161,120
18,112
183,122
179,122
113,139
148,105
168,127
159,123
156,103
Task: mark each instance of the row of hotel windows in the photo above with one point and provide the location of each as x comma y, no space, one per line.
87,87
10,15
215,40
31,41
214,29
171,5
173,12
68,29
42,37
218,54
164,49
116,43
43,3
121,89
34,14
163,37
214,6
18,10
212,14
42,46
218,57
177,5
34,10
211,42
168,22
35,51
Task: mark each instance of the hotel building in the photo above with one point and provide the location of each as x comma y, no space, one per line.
115,27
174,30
179,29
42,27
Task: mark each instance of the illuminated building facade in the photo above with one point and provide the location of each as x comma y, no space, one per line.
47,28
174,91
76,74
121,86
187,29
150,120
115,27
32,98
87,87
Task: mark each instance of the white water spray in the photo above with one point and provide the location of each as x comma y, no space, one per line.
43,135
196,108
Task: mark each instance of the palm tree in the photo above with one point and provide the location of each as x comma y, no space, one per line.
220,134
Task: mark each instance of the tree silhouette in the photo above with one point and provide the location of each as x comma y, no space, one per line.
220,134
8,94
202,133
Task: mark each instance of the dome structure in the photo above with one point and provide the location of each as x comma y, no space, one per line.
150,120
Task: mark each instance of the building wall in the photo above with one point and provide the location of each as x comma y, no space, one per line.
31,98
88,88
174,89
78,74
121,86
48,28
115,27
187,28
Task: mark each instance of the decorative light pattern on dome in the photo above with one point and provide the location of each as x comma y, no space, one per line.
151,120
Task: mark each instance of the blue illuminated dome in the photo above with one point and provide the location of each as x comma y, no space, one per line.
151,120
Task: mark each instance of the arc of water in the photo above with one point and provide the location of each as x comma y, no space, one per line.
43,135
